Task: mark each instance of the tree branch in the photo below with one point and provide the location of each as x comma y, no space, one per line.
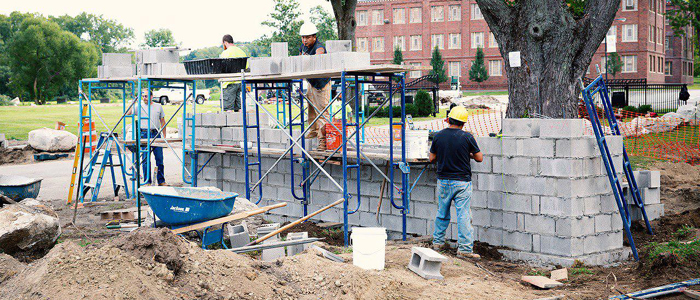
590,31
497,14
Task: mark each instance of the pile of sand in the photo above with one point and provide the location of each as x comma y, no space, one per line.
680,186
155,264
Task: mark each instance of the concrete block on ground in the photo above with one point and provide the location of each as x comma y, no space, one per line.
238,235
648,195
296,249
279,49
561,128
426,262
274,253
654,211
333,46
521,127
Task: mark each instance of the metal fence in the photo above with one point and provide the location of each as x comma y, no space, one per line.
663,97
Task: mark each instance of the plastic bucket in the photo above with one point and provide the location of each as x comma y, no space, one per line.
368,247
333,137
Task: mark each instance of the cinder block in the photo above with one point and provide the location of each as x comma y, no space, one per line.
521,127
496,218
575,227
346,60
535,185
564,246
514,165
561,167
517,203
116,59
517,240
172,69
562,207
333,46
489,145
603,223
591,205
484,166
279,49
491,236
654,211
495,200
649,196
510,221
479,199
539,224
561,128
426,262
238,235
536,147
615,144
512,146
481,217
307,63
577,147
296,249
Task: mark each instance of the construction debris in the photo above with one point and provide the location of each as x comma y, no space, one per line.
426,262
560,275
27,226
327,254
541,282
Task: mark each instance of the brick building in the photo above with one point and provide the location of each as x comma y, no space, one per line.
679,55
457,28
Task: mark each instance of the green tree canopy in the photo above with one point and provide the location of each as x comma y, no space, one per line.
45,60
325,22
284,20
109,35
159,38
613,64
478,71
438,66
685,13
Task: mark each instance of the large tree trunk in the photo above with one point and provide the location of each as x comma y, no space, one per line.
344,11
555,50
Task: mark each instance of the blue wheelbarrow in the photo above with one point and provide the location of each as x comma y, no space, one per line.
18,187
184,206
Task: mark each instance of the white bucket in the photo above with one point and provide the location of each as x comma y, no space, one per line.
368,247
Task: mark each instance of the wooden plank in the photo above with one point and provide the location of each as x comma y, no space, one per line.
220,148
238,216
560,275
692,294
158,140
297,222
541,282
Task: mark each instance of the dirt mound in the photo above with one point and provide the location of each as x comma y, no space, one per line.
15,156
9,266
155,264
680,186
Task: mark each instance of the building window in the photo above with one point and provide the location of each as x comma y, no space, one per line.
651,63
400,42
416,42
437,13
660,39
455,13
476,12
378,17
455,41
629,63
436,40
415,74
661,63
651,33
495,68
362,18
455,68
362,45
629,33
492,41
477,40
667,45
629,5
416,15
399,16
378,44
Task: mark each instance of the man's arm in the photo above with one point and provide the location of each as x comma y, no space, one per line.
432,157
478,157
320,50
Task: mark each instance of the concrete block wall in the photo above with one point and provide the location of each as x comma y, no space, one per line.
542,193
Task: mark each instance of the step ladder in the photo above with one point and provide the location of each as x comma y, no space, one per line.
598,87
103,159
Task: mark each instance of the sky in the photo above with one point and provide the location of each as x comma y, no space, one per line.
195,24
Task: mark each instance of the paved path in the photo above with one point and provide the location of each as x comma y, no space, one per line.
56,175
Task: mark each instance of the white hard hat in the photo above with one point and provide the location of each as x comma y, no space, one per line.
308,28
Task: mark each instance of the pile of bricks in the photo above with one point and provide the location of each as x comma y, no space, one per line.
542,191
159,62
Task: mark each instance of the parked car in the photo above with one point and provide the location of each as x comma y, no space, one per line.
175,96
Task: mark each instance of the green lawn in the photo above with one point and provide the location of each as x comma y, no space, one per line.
695,85
481,93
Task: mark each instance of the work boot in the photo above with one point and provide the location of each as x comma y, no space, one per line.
469,255
322,140
437,247
312,134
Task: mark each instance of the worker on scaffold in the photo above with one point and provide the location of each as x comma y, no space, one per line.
231,90
452,149
319,89
150,124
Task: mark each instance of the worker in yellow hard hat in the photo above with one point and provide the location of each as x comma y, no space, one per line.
452,150
231,90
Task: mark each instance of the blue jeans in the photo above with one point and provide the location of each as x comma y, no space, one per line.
461,193
157,153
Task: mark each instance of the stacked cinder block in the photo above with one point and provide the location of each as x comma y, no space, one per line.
159,62
116,65
649,185
339,57
542,191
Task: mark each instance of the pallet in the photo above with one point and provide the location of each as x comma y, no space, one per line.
127,214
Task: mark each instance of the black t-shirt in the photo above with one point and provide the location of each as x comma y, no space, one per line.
452,147
317,83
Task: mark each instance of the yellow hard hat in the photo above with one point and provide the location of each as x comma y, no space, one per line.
459,113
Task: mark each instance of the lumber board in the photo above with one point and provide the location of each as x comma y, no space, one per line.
692,294
273,245
238,216
541,282
318,155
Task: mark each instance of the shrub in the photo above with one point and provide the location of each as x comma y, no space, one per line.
5,100
643,109
630,108
413,110
423,103
369,110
